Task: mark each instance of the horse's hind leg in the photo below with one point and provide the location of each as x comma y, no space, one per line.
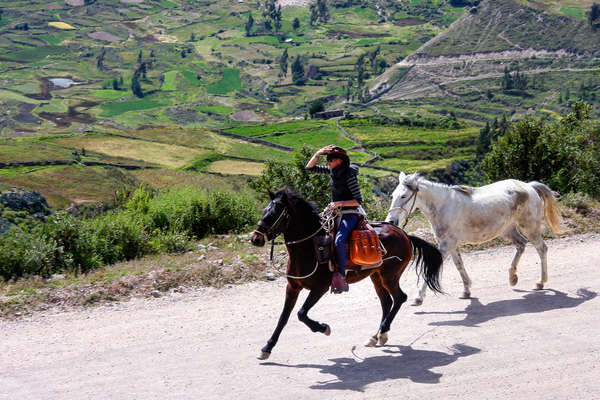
314,296
535,237
460,266
386,305
520,242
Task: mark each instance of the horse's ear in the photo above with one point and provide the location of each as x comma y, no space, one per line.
271,194
401,176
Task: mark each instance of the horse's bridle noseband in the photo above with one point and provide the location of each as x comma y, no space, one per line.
412,196
270,231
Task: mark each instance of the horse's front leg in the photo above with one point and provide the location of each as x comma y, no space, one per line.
460,266
291,295
314,296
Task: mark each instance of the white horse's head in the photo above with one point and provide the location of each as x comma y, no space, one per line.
403,198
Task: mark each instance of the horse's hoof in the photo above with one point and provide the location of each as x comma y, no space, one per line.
513,279
417,302
383,338
465,295
264,355
372,342
539,286
327,330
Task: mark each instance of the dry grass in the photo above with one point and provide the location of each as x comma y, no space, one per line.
152,152
234,167
60,25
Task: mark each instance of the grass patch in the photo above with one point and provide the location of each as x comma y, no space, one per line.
8,95
191,77
109,94
236,167
151,152
36,54
231,81
223,110
60,25
170,81
573,12
118,108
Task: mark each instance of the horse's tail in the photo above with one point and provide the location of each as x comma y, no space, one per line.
551,214
428,262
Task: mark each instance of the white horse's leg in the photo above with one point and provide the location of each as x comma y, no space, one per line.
420,294
542,250
463,273
520,242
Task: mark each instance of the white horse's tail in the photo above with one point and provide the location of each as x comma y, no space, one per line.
551,213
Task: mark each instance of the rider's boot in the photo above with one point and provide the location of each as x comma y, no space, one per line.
338,283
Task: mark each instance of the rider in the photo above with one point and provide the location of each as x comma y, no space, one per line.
345,194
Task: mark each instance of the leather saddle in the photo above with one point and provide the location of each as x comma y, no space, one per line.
364,250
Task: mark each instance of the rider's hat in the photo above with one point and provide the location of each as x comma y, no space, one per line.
337,152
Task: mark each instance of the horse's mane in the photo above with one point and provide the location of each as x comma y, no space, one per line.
299,202
463,189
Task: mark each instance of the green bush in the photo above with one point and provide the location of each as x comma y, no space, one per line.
563,154
27,253
148,222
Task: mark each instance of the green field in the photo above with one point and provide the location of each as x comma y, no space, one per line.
118,108
170,82
230,82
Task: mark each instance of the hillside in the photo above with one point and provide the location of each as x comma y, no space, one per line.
214,98
463,67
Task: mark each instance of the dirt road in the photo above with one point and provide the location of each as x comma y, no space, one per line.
505,343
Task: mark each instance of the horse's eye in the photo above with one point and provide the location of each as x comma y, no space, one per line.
403,196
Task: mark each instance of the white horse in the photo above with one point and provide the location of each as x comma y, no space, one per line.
460,214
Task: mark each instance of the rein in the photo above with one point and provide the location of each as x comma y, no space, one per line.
414,197
328,217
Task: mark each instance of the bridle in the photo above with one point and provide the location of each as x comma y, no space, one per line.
270,231
412,196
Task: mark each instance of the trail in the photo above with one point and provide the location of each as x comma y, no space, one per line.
504,343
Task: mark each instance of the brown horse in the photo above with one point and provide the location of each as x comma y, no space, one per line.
299,221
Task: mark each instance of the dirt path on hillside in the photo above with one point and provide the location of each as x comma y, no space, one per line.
505,343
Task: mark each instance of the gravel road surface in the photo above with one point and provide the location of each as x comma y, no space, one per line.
503,343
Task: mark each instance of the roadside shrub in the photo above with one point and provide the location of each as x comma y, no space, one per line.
27,253
170,243
580,201
74,239
119,236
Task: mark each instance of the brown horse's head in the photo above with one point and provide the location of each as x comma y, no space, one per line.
274,220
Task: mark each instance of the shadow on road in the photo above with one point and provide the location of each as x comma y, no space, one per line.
532,302
400,362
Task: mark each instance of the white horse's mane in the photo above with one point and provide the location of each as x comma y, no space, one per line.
412,180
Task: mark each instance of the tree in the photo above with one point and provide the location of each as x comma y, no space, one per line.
115,84
594,16
2,12
564,154
249,24
315,107
314,14
192,37
323,11
100,59
298,71
140,57
283,62
296,24
136,89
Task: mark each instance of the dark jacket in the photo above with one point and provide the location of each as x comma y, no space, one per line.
343,181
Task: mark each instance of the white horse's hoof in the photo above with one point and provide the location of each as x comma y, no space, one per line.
465,295
417,302
327,331
513,279
264,355
372,342
539,286
383,338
